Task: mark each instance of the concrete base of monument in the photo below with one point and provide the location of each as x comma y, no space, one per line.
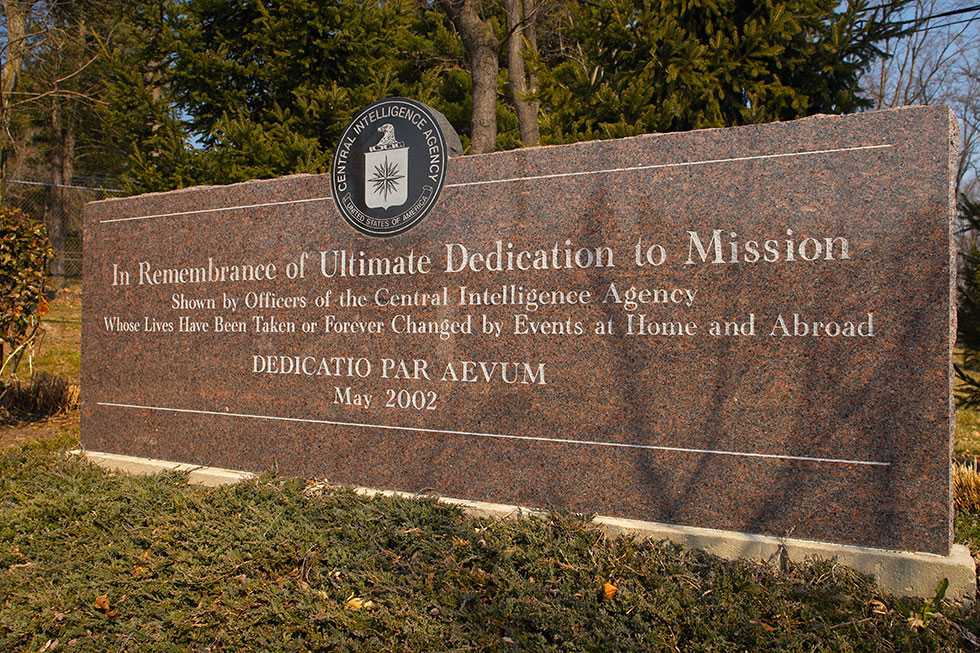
897,572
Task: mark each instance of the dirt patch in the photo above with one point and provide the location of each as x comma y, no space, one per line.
15,431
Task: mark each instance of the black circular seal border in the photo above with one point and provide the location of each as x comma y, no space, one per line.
444,155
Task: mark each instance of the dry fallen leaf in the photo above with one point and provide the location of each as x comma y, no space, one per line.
878,607
314,488
102,605
357,603
608,591
764,625
479,576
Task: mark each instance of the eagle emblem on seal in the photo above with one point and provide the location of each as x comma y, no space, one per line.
386,171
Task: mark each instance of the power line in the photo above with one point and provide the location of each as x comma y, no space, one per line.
926,28
921,23
884,5
27,182
943,14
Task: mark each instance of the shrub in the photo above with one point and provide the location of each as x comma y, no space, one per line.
43,396
966,487
24,254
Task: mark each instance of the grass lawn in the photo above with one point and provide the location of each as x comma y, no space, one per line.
58,353
967,443
100,562
60,348
91,561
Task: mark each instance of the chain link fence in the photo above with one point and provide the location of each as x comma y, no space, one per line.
60,207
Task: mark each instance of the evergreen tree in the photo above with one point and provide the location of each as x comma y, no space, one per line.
215,91
626,67
269,86
141,127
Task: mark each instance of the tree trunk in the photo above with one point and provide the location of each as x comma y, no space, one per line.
16,29
60,160
519,18
531,8
481,47
9,72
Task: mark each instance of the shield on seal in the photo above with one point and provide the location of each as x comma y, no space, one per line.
386,172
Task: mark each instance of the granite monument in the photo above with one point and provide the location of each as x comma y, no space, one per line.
744,329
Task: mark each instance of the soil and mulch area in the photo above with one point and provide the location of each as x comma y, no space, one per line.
18,430
91,561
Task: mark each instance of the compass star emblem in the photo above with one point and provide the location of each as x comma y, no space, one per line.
386,171
390,166
386,178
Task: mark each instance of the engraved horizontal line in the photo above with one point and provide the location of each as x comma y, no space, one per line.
656,166
223,208
531,438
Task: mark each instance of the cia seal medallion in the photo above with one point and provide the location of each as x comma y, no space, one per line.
389,167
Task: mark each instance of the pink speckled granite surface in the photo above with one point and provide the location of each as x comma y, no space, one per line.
754,433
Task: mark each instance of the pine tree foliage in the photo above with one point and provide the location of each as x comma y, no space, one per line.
216,91
269,86
141,125
629,67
